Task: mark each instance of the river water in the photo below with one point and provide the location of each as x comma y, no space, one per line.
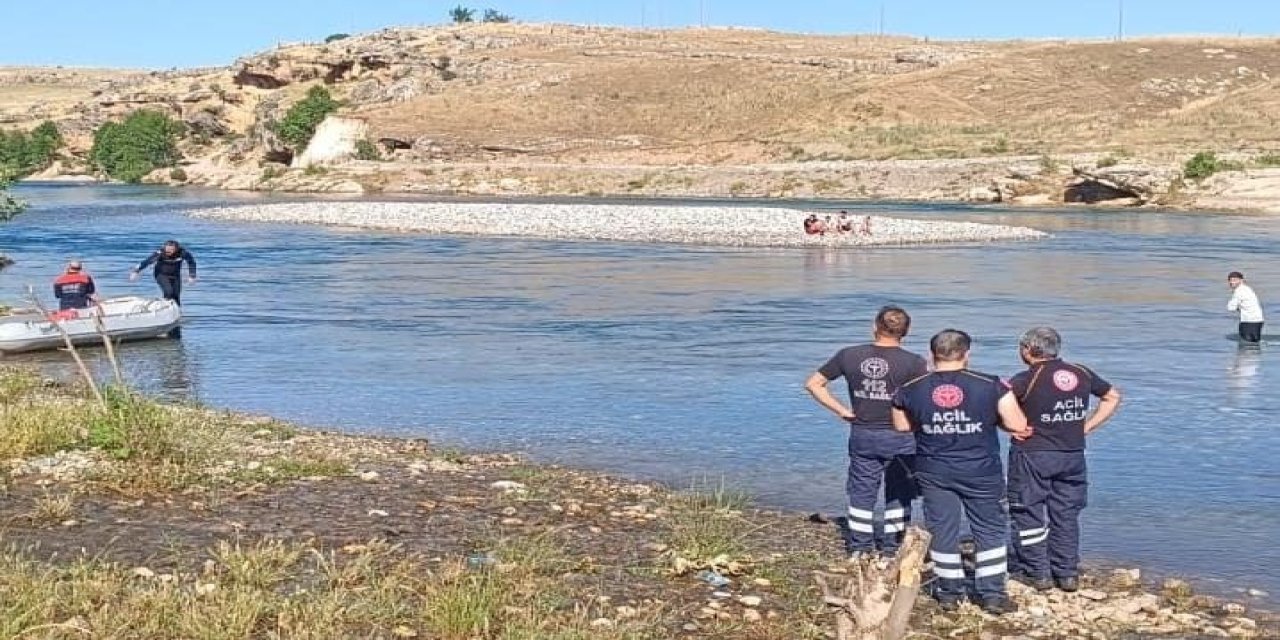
678,363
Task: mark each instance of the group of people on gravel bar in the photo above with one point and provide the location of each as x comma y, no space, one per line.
815,226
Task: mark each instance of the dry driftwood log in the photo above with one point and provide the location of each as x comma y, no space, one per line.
874,601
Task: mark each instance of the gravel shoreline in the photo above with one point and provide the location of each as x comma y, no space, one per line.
702,225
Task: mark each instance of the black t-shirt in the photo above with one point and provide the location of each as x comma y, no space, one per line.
1055,396
955,416
874,374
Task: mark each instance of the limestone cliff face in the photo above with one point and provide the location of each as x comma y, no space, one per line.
334,142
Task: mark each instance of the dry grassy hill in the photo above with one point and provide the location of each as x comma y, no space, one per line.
563,109
761,97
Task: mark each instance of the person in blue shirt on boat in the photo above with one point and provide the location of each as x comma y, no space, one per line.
168,271
74,289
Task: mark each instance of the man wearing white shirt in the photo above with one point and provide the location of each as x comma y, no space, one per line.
1245,301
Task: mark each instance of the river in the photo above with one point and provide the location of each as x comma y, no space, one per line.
677,363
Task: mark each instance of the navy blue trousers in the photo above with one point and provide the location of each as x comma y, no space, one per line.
170,287
879,457
949,499
1047,491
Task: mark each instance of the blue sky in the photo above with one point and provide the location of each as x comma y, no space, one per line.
169,33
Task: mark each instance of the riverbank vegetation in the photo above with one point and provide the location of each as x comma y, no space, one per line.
23,153
131,149
182,522
300,121
9,207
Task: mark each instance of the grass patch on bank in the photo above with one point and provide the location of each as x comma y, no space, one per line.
52,509
134,445
707,527
287,590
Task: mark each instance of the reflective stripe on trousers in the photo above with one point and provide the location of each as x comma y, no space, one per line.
1047,491
948,500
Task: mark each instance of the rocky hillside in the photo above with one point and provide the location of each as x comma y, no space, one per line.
569,109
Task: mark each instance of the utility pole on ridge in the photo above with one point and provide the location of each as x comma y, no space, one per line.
1119,20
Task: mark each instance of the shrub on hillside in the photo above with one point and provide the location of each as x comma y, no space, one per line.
300,122
461,14
1201,166
334,37
143,142
1269,159
493,15
366,150
1206,163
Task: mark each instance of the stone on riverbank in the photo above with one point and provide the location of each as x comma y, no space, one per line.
723,226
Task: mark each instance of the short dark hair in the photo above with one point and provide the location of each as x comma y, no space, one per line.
1235,274
893,322
950,345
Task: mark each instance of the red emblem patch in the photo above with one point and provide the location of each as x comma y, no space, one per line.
948,396
1065,380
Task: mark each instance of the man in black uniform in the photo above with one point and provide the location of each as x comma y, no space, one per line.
168,260
1048,484
954,413
876,452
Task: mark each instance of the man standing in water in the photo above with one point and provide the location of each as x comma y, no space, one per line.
1048,482
1245,302
954,413
168,272
877,453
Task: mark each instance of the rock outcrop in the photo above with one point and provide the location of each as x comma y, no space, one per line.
335,141
1252,189
1138,184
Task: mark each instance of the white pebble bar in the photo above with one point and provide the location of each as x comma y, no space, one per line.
702,225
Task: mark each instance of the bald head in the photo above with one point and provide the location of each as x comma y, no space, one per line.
74,266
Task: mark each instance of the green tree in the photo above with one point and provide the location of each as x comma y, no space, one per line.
45,140
22,154
301,120
143,142
493,15
9,205
461,14
336,37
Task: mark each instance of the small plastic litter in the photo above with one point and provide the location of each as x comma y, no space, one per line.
478,561
713,578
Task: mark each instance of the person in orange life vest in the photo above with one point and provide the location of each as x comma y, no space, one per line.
74,289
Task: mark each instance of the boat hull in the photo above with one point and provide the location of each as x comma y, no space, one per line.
123,319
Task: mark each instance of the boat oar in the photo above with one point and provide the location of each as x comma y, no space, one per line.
107,342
